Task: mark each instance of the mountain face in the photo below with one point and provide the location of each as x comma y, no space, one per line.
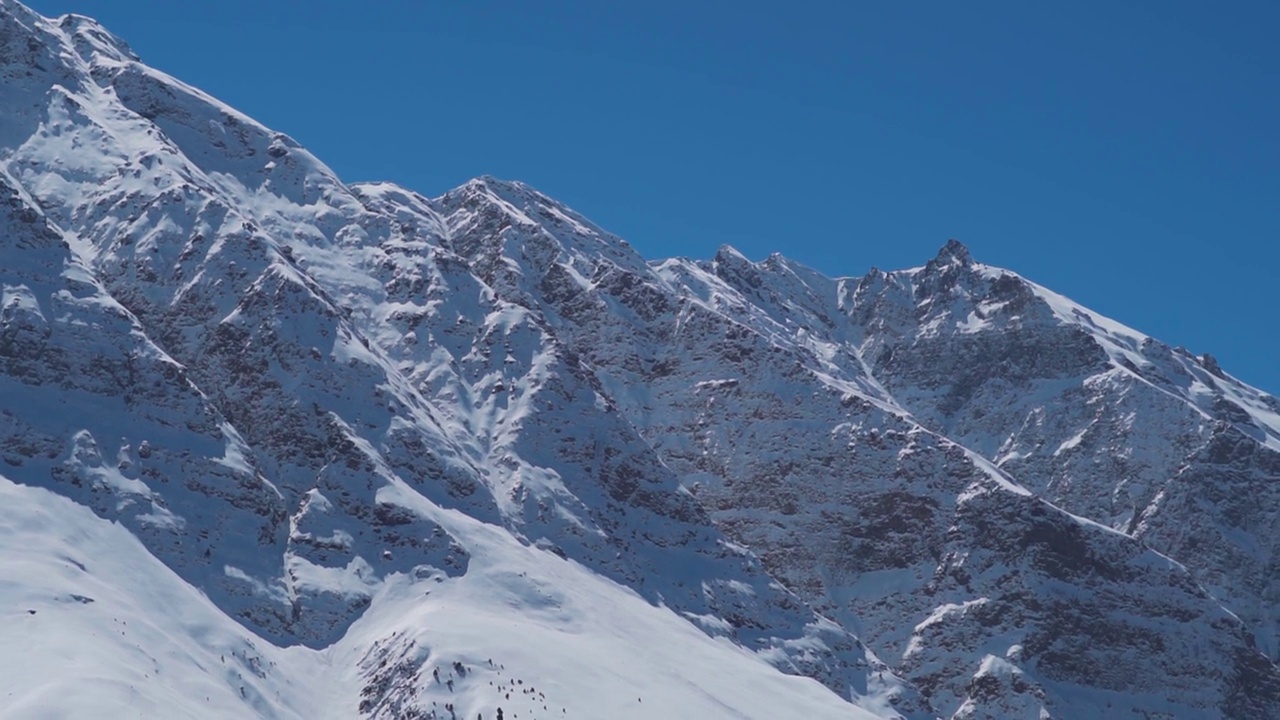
279,446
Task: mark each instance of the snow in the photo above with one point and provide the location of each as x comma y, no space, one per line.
1071,442
558,627
97,627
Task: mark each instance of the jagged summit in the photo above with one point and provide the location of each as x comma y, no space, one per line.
730,255
88,30
514,191
955,250
23,32
498,184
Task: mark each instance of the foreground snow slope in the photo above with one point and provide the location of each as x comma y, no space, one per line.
383,433
95,626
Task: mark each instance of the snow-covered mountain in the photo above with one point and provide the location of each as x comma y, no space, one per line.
279,446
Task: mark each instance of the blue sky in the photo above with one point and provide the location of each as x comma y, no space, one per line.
1124,154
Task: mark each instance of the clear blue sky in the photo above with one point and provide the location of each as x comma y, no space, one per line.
1124,154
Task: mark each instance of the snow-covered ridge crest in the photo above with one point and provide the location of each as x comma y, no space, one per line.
392,437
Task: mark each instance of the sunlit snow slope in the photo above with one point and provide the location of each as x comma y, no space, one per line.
95,626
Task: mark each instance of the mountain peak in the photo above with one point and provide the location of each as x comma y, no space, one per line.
90,30
495,184
512,192
36,33
728,254
482,181
954,251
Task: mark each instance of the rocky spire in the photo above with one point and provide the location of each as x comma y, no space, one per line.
956,251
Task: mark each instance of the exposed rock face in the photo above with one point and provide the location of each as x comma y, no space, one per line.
1095,417
1023,509
750,381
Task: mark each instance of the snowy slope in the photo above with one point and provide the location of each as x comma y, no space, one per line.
95,626
360,435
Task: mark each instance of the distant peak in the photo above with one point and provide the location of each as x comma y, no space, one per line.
954,251
729,254
93,31
490,182
512,191
88,36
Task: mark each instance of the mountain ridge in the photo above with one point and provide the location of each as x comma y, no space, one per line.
342,401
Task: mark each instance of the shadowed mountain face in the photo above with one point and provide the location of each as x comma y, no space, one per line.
939,492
